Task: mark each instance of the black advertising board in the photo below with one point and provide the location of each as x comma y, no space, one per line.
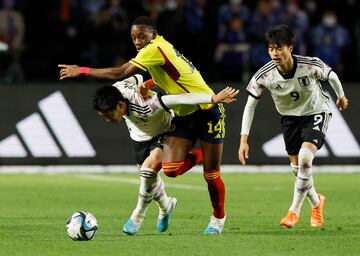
54,123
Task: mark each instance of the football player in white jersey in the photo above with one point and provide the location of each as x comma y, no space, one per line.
294,83
148,120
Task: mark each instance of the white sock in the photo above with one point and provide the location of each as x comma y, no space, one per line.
304,180
300,192
146,193
312,195
160,197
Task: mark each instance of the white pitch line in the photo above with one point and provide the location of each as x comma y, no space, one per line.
225,169
136,181
258,188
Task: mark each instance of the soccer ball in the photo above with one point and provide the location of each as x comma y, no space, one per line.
81,226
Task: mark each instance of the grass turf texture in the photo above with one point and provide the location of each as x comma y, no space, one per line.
34,209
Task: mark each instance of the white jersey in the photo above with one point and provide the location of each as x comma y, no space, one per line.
299,93
145,118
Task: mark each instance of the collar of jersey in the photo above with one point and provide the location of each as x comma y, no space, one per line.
292,71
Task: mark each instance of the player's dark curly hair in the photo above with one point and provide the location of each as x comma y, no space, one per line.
280,35
144,20
107,98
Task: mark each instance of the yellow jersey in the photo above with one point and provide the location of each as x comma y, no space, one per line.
172,72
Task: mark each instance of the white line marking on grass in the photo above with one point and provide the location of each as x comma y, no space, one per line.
251,169
266,188
136,181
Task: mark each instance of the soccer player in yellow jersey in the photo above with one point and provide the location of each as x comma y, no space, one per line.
172,72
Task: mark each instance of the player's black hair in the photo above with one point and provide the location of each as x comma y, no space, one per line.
280,35
144,20
107,98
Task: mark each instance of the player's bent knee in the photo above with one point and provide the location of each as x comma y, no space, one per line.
170,174
210,175
306,157
171,169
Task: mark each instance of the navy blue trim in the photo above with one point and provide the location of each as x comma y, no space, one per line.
252,95
159,94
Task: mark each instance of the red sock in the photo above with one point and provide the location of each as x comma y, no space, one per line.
216,190
176,168
198,154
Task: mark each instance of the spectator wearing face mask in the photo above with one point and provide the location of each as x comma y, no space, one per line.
328,41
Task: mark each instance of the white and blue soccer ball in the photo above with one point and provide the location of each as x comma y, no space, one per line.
81,226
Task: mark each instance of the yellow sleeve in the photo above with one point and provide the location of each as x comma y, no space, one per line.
148,56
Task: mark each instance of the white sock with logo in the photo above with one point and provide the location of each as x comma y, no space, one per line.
146,194
160,196
300,191
312,195
304,182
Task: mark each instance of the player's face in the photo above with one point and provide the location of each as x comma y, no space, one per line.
141,35
116,115
280,54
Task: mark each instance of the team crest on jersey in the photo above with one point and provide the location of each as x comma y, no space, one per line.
304,81
129,84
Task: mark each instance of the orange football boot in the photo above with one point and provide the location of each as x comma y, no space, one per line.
317,218
289,220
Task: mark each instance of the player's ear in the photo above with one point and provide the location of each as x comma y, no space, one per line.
121,105
154,33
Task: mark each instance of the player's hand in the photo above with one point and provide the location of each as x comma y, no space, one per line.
227,95
143,90
342,103
243,152
68,71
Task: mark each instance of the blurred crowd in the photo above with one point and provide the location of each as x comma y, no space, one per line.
223,38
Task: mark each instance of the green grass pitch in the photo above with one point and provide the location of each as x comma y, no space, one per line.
34,209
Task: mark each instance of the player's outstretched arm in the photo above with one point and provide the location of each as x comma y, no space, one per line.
125,70
227,95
